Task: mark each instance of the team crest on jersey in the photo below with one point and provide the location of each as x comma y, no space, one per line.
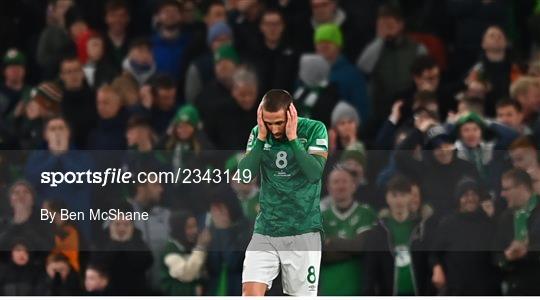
267,146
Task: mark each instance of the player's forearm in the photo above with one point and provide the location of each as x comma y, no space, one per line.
311,165
252,160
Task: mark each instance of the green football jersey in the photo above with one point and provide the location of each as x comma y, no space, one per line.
345,278
289,203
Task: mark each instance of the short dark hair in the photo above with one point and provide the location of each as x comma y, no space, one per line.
68,57
519,177
509,102
399,184
275,100
273,11
391,11
99,268
522,142
162,81
165,3
206,7
421,64
56,117
140,42
57,257
424,98
112,5
138,121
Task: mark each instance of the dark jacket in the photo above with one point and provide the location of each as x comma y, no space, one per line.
276,68
520,275
212,96
437,181
79,109
28,280
463,244
229,128
127,263
379,259
351,85
109,134
321,109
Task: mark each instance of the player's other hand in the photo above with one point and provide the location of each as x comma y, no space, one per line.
260,123
292,123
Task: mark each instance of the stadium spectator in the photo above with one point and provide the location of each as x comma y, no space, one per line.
463,244
495,67
230,233
14,88
517,235
243,106
201,71
54,41
244,19
118,37
138,67
78,104
356,36
469,20
524,155
184,256
217,92
344,219
275,61
247,193
164,102
472,145
43,103
98,70
510,113
526,91
344,133
315,97
96,281
109,133
21,275
23,220
62,280
170,42
127,258
439,169
395,247
61,158
388,60
350,82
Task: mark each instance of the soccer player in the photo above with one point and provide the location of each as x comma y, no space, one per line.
288,153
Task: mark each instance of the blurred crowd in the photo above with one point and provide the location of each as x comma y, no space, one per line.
432,110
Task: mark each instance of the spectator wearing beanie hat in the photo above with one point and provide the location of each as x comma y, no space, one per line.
482,143
185,139
44,101
350,82
13,89
200,71
315,97
345,126
462,261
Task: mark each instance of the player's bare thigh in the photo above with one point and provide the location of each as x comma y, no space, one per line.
254,289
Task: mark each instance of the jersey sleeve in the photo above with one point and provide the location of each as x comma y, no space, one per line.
318,139
252,138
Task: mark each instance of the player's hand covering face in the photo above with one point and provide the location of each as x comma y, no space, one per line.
260,123
292,122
